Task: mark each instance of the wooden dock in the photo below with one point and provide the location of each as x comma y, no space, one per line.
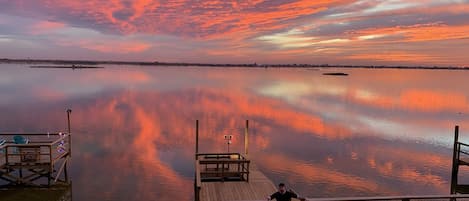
233,177
26,158
45,155
258,188
230,177
460,158
55,193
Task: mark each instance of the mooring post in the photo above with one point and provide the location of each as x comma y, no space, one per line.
455,167
196,188
67,180
69,111
246,138
196,138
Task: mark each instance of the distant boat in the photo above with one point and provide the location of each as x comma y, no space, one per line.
336,74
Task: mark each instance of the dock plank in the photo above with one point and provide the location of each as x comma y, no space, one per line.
258,188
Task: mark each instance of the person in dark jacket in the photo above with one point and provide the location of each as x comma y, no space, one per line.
282,194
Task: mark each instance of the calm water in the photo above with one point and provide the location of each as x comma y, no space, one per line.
375,132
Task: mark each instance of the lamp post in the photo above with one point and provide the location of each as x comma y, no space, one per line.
228,141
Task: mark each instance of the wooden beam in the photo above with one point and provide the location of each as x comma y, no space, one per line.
196,138
61,169
246,138
69,111
30,134
197,182
455,167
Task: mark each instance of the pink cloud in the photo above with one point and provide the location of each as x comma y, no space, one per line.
109,46
46,27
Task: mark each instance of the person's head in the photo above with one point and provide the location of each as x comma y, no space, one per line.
282,188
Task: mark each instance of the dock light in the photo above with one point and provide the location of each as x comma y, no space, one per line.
228,141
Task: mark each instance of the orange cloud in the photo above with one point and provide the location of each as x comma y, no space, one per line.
418,32
109,46
137,131
317,173
393,56
419,100
434,101
221,19
46,27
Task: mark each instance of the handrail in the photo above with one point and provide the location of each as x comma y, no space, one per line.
463,152
215,161
406,197
40,144
462,143
60,139
31,134
218,156
221,159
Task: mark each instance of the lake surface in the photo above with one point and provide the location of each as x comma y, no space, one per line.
374,132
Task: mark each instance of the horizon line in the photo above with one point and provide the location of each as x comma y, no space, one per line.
255,64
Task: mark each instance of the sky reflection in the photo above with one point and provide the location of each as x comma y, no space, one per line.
375,132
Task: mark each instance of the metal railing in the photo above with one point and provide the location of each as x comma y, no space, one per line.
388,198
39,152
222,166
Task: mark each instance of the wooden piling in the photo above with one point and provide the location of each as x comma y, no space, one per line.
196,138
246,138
455,167
69,111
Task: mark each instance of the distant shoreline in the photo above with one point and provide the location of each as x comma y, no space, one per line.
136,63
72,67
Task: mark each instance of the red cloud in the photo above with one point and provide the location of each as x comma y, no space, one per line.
109,46
46,26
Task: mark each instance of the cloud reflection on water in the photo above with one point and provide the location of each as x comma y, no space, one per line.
321,134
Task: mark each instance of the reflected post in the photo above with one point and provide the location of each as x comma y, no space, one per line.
196,138
454,172
246,138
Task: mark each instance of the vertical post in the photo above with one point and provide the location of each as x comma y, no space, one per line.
246,138
6,154
68,119
51,167
65,171
69,111
196,138
455,167
196,187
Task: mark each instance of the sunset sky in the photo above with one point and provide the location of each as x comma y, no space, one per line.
369,32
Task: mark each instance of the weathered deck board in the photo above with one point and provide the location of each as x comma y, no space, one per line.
258,188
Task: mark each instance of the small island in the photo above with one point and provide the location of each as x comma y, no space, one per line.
336,74
71,67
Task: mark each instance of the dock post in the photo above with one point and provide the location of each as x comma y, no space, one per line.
67,180
455,167
246,138
69,111
196,138
196,188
